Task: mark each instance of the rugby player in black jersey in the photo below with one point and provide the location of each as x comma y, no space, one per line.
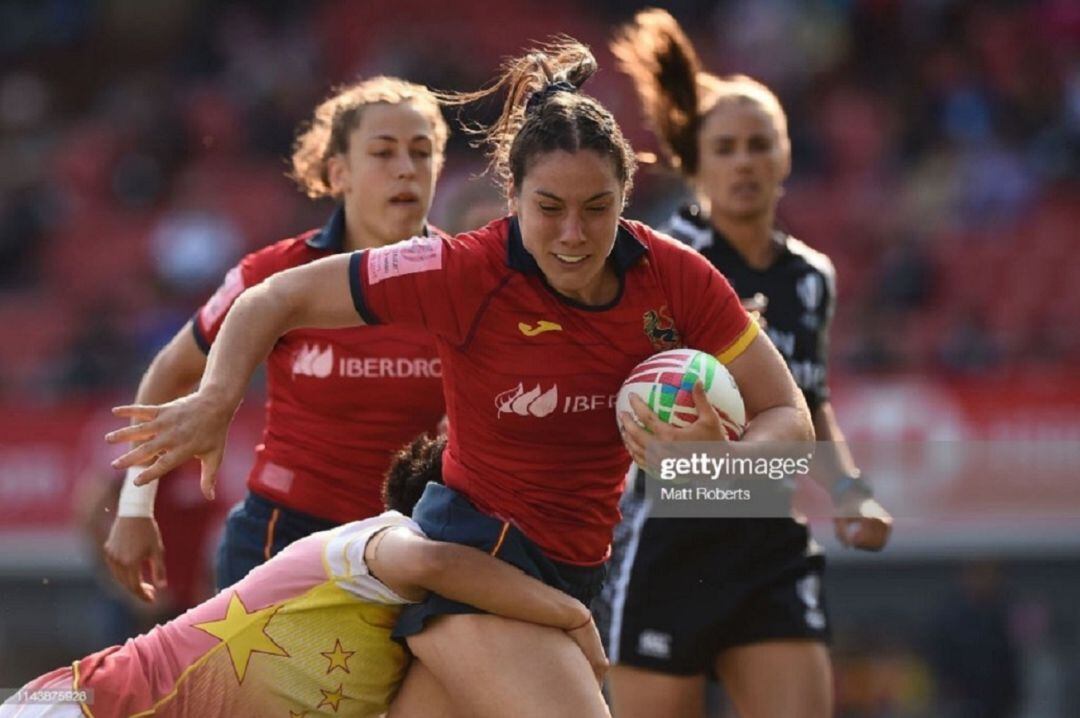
736,598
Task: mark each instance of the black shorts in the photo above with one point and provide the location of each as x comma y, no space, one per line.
684,590
446,515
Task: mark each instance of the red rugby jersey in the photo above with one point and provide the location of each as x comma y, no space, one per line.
531,376
339,401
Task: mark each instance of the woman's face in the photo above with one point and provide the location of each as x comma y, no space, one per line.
742,160
568,206
387,176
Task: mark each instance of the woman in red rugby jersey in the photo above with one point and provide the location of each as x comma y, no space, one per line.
538,318
340,402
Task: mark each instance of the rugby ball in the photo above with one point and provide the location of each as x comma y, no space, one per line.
665,382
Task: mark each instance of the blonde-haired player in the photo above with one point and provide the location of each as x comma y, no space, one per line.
738,598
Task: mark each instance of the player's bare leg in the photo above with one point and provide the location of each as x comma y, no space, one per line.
778,679
421,696
500,667
637,693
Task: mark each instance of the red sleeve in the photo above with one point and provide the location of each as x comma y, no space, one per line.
251,270
432,283
705,308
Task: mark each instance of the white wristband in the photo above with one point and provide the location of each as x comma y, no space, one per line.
136,500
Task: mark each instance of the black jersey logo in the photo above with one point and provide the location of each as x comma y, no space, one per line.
660,329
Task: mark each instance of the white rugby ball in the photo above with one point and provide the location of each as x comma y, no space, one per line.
665,382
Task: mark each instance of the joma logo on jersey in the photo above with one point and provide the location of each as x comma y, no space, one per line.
540,403
660,329
541,326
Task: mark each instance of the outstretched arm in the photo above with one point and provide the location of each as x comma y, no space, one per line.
411,564
313,295
134,543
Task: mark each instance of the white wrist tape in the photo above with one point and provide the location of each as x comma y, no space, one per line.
136,500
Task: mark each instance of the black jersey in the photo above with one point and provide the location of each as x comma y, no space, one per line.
800,287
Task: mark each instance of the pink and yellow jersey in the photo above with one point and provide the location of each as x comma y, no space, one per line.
306,634
531,377
339,402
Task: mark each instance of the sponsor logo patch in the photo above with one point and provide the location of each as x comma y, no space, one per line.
534,402
313,361
419,254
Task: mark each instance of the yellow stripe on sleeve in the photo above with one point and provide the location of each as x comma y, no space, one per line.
738,346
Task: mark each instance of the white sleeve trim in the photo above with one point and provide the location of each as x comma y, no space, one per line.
345,556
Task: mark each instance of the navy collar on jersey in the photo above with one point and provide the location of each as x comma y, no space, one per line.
332,235
626,252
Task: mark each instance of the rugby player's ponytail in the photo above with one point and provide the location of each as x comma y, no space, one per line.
545,111
676,93
664,67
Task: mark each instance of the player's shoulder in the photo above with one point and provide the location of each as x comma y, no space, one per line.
488,241
689,225
344,556
812,259
651,237
351,538
283,254
366,528
663,250
484,253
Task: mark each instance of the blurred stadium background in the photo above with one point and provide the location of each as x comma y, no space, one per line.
936,159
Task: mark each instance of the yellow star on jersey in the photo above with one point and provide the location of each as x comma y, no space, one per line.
339,658
332,699
243,633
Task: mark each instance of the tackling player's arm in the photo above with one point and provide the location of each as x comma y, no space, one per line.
134,541
411,565
312,295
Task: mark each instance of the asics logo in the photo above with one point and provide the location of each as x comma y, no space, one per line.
527,403
311,361
541,326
